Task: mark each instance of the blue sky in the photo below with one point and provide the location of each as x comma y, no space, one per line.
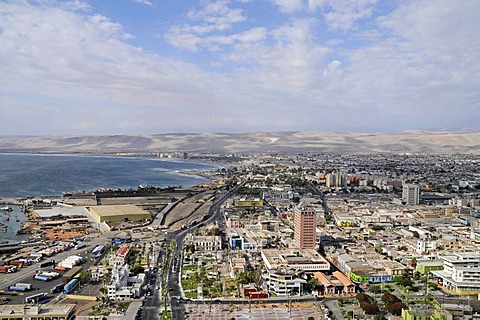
158,66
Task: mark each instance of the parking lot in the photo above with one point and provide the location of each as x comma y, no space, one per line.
42,286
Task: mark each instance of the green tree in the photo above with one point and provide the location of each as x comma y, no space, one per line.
413,262
136,269
375,288
246,277
313,284
85,276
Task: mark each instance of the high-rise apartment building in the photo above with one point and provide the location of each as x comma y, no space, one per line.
337,180
305,224
411,194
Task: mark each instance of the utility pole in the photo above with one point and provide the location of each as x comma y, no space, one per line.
249,306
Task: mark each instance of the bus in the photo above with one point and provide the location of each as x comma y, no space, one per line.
35,298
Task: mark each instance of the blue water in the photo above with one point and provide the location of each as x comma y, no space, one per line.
11,222
23,175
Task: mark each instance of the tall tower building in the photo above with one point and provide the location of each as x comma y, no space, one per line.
411,194
305,224
328,180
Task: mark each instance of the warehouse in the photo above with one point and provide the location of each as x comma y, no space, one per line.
119,213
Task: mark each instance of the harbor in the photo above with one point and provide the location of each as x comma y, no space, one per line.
12,219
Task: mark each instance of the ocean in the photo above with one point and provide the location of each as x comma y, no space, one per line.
31,175
24,175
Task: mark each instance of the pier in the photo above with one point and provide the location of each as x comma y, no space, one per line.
12,201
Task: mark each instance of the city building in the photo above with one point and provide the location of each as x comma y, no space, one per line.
461,272
426,266
410,194
284,282
308,260
119,258
119,213
337,180
123,287
206,243
39,312
305,225
337,283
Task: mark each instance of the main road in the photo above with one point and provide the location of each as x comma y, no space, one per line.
174,275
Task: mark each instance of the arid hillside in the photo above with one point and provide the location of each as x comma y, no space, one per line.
337,142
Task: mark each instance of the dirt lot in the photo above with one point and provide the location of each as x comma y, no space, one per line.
59,235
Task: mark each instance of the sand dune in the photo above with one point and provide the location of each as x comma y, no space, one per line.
336,142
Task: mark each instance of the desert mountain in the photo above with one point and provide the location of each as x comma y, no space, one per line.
335,142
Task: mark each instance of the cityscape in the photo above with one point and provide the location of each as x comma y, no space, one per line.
277,236
239,159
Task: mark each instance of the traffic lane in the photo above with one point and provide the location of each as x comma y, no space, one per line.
178,310
152,303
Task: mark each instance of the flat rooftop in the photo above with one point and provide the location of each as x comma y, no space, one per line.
10,310
120,210
64,211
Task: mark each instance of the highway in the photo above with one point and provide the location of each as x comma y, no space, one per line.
173,280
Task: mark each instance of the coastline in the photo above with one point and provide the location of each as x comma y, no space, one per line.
26,176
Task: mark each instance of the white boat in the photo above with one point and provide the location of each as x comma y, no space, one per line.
6,208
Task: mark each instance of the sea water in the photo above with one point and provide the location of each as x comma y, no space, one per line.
23,175
30,175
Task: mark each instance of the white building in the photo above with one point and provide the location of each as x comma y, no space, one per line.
207,243
308,260
425,246
284,282
411,194
461,272
119,288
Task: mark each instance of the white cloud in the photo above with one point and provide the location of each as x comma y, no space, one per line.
291,6
425,69
288,6
77,70
339,15
217,14
145,2
211,18
343,14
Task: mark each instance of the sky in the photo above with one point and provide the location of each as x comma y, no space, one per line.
96,67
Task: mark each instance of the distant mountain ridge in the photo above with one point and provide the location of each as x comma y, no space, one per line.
335,142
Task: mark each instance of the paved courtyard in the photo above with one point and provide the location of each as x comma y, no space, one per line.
257,312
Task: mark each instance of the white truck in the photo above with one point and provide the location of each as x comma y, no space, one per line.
80,245
27,286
